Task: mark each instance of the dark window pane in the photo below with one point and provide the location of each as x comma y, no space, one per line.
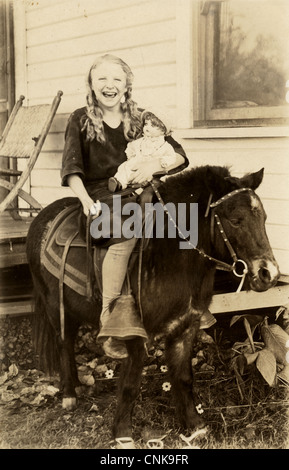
251,53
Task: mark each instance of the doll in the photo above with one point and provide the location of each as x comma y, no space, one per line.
151,146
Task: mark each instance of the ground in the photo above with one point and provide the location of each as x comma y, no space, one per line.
242,412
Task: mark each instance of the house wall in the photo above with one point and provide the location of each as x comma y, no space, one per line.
56,43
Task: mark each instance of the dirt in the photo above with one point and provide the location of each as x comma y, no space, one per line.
32,416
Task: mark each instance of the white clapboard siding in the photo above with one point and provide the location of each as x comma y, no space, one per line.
105,41
60,41
136,57
47,12
48,161
116,19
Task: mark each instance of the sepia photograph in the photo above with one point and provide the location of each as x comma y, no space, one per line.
144,227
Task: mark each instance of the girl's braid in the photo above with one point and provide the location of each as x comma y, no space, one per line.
94,121
131,117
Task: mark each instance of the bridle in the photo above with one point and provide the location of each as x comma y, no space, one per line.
215,219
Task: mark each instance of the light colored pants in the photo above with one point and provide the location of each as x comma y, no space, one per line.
114,271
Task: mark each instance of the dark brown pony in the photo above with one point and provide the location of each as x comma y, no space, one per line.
176,284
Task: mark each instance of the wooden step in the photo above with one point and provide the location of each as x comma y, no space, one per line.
24,307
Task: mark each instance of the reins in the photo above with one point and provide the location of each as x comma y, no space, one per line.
221,265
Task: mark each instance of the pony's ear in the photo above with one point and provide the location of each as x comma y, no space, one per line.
253,180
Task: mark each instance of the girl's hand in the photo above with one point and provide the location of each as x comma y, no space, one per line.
86,205
143,171
95,209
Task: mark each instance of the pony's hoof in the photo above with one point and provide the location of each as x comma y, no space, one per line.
69,403
188,440
124,443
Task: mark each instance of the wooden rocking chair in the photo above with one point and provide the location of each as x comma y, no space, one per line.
23,138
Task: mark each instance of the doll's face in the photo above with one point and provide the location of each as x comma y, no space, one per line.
109,84
151,130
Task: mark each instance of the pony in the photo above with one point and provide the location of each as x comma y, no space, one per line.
173,287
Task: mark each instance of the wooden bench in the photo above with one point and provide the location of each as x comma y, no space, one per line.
20,301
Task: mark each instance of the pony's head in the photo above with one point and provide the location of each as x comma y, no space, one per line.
238,216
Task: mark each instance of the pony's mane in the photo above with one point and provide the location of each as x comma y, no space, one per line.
193,184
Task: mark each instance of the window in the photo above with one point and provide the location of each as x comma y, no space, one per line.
241,72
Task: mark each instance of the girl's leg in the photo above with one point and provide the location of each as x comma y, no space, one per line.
114,270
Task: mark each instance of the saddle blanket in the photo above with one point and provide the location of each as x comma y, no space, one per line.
75,274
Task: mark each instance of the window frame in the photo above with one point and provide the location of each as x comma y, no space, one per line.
195,75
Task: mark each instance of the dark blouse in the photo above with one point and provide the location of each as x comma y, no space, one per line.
92,161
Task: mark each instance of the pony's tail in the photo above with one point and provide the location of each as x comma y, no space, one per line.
44,339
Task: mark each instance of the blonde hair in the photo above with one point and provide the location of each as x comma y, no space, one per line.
131,116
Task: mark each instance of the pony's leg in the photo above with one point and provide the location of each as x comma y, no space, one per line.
129,385
68,371
179,345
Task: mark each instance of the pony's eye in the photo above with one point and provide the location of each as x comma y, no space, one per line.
235,222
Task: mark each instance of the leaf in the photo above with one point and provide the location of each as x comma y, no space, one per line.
87,380
279,312
243,347
234,319
94,408
249,333
283,376
50,390
92,364
3,378
8,395
253,320
13,370
275,339
37,400
250,358
284,313
266,364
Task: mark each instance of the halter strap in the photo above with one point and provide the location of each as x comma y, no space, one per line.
227,196
220,264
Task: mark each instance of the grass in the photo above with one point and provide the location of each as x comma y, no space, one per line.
32,418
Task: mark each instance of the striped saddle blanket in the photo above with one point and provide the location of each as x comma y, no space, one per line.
64,240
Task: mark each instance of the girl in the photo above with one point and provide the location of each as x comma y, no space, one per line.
95,141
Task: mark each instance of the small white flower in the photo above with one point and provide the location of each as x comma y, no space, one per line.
109,374
164,368
166,386
199,409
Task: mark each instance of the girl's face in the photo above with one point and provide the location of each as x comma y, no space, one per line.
109,85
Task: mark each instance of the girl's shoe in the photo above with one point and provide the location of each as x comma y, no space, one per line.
114,185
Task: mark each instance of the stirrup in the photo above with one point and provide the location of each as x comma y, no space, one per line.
124,443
